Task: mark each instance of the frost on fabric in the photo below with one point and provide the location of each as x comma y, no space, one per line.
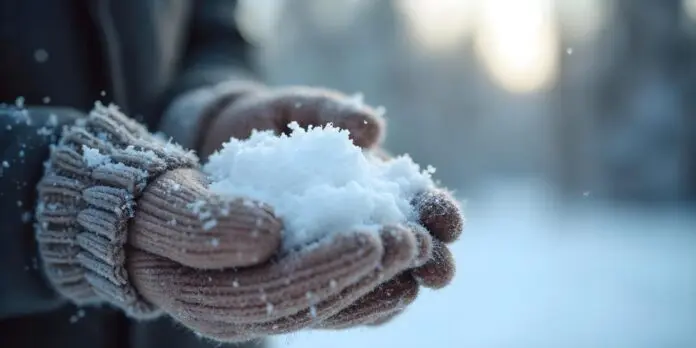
93,157
16,112
317,181
149,154
208,225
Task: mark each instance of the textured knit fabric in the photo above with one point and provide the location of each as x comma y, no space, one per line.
297,291
93,179
179,219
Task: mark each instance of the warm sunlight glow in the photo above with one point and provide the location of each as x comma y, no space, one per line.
690,8
438,24
518,42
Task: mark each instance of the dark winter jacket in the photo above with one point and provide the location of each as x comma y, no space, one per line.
61,56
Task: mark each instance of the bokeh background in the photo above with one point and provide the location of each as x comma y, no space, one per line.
568,130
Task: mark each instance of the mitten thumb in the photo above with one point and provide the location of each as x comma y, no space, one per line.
178,218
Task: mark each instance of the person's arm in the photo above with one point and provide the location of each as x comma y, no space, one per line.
216,50
26,137
216,70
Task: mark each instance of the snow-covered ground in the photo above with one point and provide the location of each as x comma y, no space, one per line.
534,274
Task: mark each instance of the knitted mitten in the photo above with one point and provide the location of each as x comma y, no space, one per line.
91,200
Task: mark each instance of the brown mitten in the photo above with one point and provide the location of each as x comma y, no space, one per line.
440,223
90,199
275,109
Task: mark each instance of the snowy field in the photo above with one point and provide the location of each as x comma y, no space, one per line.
533,274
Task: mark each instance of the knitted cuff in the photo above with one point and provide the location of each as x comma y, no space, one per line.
87,196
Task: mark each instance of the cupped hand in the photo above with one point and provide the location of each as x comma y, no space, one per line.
227,280
273,110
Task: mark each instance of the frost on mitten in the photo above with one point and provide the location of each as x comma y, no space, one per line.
92,180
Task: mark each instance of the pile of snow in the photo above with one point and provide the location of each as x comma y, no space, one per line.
317,181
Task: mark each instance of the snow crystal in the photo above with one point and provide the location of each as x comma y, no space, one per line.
93,157
205,215
41,55
317,181
52,119
46,100
197,206
214,242
44,131
208,225
131,150
5,164
309,295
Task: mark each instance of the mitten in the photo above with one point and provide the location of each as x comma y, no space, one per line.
91,200
440,223
275,109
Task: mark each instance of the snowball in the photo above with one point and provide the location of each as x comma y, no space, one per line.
317,181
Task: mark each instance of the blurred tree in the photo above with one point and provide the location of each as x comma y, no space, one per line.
625,128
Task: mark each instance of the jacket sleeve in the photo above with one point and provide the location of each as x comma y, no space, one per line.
216,53
216,50
26,137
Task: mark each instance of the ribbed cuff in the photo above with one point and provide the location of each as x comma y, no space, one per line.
87,196
187,117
